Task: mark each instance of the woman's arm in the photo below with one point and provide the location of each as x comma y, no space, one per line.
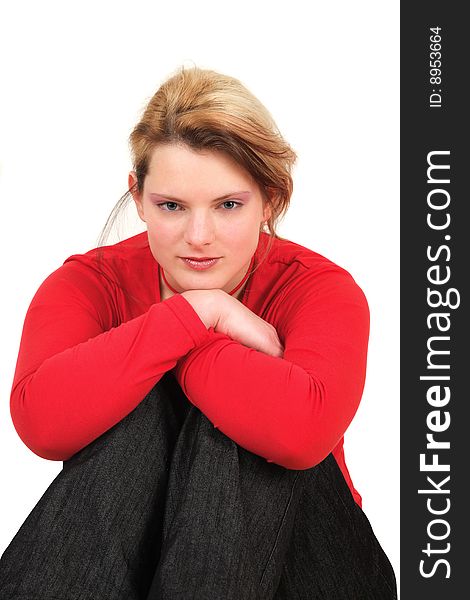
292,410
77,375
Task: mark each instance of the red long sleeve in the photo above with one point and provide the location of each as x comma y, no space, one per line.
74,380
292,410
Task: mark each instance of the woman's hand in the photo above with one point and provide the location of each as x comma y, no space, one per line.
243,325
205,303
228,315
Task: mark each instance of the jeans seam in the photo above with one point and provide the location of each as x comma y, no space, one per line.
280,528
191,453
351,520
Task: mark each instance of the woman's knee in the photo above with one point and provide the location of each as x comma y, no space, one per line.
150,429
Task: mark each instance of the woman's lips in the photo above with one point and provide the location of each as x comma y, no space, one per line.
200,265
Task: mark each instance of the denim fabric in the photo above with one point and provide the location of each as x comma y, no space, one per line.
164,506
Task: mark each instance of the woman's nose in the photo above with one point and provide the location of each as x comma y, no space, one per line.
200,229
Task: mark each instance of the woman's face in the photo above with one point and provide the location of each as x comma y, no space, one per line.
201,205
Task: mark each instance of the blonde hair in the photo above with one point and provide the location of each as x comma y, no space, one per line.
207,110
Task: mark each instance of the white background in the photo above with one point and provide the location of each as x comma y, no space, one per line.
75,78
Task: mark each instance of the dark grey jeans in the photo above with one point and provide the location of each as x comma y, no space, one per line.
164,506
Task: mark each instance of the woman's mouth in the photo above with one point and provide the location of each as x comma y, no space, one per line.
200,265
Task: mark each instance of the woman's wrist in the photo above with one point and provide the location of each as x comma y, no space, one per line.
206,303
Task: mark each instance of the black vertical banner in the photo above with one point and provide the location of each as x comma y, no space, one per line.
435,269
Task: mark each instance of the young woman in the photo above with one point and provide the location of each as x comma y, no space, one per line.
197,380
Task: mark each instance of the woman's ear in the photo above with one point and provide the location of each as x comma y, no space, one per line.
267,208
267,212
136,195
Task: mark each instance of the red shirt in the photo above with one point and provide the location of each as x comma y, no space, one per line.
97,338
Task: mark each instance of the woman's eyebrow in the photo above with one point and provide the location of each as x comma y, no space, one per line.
173,198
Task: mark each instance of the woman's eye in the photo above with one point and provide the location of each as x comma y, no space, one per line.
232,202
166,204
